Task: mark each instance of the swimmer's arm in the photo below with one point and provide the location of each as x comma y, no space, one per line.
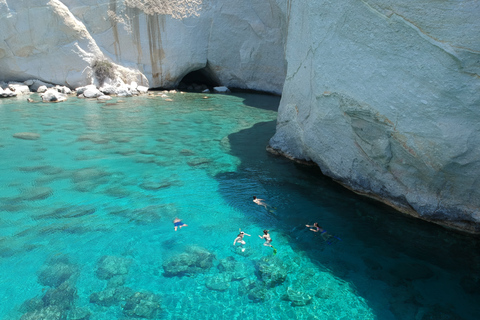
314,230
247,234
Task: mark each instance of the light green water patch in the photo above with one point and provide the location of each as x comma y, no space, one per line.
88,197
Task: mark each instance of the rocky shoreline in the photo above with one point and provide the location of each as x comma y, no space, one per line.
57,93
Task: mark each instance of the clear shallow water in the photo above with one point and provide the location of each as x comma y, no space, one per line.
86,215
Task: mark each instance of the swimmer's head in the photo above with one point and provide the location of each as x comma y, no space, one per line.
254,197
265,231
241,232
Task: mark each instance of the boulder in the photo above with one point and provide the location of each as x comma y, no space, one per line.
272,272
63,89
110,266
92,92
27,135
142,89
52,95
111,296
36,84
142,305
194,260
221,89
56,272
7,93
104,97
297,298
63,296
19,88
218,282
42,89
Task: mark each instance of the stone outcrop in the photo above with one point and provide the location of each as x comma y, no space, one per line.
384,97
154,43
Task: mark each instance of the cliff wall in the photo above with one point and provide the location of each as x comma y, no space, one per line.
385,97
156,42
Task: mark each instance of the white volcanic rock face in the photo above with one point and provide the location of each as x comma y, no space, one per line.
385,98
152,42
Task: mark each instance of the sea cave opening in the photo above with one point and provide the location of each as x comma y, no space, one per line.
199,80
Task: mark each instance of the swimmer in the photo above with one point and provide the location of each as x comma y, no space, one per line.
325,236
240,240
315,225
268,240
178,224
261,202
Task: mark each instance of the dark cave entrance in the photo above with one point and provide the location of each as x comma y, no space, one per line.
199,80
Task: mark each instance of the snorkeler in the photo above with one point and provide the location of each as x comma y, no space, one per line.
240,240
315,225
177,223
261,202
268,240
325,236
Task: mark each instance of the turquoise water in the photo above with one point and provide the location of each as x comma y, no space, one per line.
86,231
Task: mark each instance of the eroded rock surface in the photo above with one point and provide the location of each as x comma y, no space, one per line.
383,96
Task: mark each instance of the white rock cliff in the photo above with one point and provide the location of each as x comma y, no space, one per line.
152,42
385,97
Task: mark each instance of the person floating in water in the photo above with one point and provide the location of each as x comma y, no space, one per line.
261,202
315,225
177,223
325,236
240,240
268,240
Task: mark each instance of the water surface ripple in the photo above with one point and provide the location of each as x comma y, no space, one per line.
89,192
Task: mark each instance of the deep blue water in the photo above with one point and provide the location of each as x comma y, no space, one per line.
86,229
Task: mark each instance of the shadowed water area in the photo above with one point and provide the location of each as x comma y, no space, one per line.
89,192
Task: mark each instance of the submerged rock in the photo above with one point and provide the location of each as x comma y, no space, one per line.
27,135
142,305
62,297
111,296
47,313
109,266
272,272
194,260
297,298
57,272
52,95
218,282
36,193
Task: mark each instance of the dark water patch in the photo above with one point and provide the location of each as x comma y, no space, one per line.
145,215
379,246
68,212
35,193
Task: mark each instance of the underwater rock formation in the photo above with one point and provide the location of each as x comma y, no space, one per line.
193,260
110,266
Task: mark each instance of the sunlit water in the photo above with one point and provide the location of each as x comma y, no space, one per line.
86,231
